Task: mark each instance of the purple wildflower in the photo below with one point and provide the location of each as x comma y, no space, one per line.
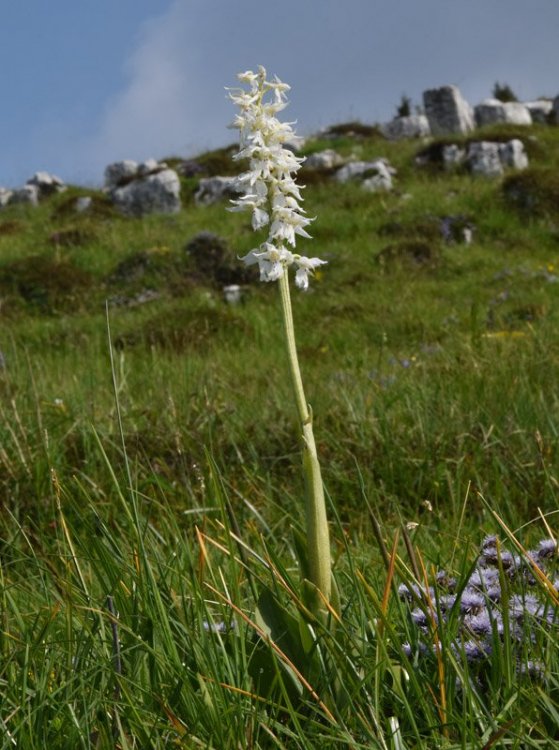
474,650
445,581
484,623
471,602
547,548
484,578
422,618
411,592
446,602
489,542
521,606
494,593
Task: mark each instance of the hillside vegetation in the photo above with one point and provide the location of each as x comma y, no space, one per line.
431,367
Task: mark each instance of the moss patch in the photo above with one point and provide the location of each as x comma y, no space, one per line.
47,284
416,253
184,330
533,192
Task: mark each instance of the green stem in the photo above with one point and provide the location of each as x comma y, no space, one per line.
318,536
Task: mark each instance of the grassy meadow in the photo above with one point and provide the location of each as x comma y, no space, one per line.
150,476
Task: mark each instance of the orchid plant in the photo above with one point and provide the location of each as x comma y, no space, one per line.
274,198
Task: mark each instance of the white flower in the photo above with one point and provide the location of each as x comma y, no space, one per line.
271,260
271,191
304,267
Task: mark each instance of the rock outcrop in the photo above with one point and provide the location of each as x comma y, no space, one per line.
483,158
214,189
324,160
492,111
157,193
491,159
487,158
120,173
412,126
46,184
373,175
139,189
447,111
540,110
28,194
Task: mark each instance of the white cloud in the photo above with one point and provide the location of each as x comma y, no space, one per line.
153,115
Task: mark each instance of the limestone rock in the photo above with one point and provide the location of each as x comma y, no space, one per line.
374,175
487,158
490,159
232,294
5,196
155,194
513,155
484,159
327,159
47,184
27,194
492,111
150,166
120,173
453,156
540,110
382,180
214,189
83,203
447,111
412,126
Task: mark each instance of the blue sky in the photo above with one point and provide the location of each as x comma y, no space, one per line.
86,82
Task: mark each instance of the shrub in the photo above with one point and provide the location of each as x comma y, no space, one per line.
504,93
404,108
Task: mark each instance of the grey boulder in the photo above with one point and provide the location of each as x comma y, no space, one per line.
412,126
447,111
490,159
322,160
46,184
5,196
28,194
513,155
214,189
120,173
155,194
540,110
373,175
484,159
492,111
